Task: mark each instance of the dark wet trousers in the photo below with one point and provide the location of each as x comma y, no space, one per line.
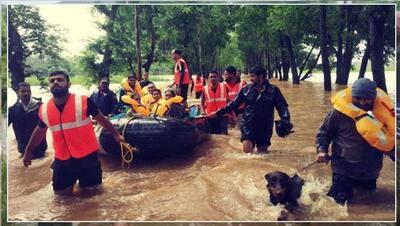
343,186
183,91
219,125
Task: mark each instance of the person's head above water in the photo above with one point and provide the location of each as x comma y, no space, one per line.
104,84
214,79
169,93
24,92
176,54
151,87
363,92
132,80
258,74
230,74
59,83
156,94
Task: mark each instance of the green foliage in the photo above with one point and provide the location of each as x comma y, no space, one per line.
3,191
3,63
32,36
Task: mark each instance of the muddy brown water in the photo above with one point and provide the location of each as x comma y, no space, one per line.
216,182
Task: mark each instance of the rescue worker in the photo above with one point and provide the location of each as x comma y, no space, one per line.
215,97
181,73
104,98
350,128
233,85
130,86
74,140
260,99
23,116
145,81
198,85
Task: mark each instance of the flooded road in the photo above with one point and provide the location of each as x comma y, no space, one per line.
216,182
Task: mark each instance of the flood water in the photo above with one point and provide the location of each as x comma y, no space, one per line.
216,182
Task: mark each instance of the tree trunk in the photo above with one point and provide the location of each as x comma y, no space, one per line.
349,46
376,31
324,48
293,65
137,40
305,61
364,61
339,52
269,64
278,67
15,54
153,40
104,66
285,61
307,75
200,52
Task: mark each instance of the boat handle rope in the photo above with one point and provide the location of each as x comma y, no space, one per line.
127,151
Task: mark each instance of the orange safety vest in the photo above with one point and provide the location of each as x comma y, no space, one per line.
186,76
217,100
72,130
198,85
234,89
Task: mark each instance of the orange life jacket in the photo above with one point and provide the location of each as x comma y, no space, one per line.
377,129
198,84
72,130
186,76
215,100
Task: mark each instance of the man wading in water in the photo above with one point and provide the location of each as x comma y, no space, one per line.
74,140
355,163
260,99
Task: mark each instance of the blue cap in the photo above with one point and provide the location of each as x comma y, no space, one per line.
364,88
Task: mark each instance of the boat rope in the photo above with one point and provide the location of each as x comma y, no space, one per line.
127,151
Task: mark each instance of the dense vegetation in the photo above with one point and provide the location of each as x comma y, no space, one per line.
287,40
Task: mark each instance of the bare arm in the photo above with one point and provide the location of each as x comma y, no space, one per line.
108,126
37,137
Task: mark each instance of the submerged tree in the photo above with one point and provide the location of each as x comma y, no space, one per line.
324,49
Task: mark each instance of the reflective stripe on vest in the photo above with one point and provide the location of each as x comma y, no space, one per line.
218,100
177,73
232,92
79,121
221,98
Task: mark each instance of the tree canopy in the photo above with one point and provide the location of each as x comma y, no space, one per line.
287,40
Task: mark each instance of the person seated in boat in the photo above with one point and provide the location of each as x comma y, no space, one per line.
130,86
176,108
147,98
158,107
358,139
161,106
145,82
136,105
105,98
